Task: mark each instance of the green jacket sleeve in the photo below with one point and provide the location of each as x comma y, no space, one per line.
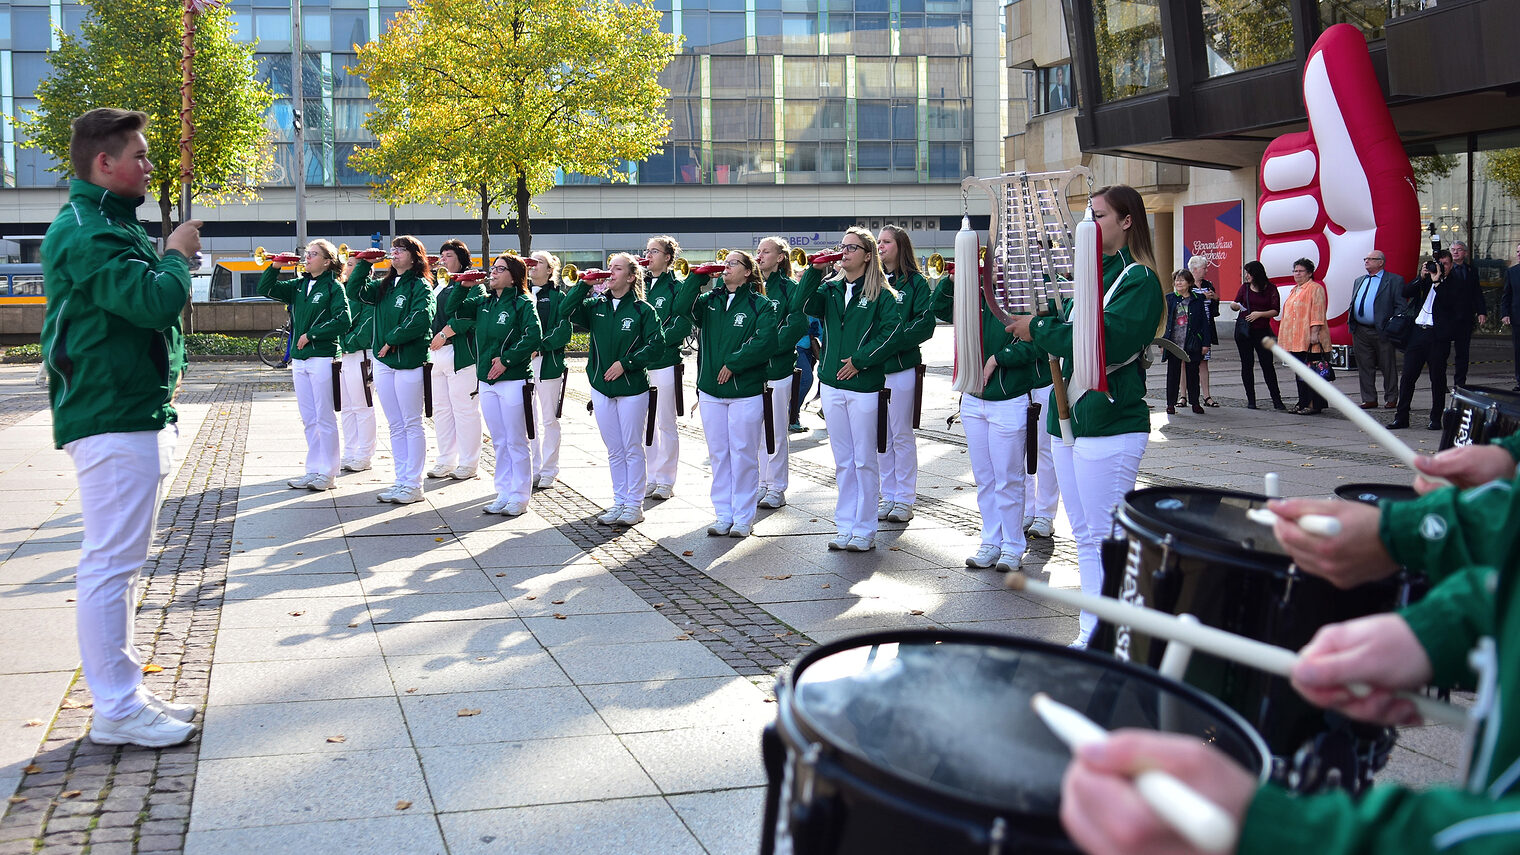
942,302
519,348
271,286
917,316
1386,819
572,309
557,335
1450,620
791,325
121,282
677,325
464,305
685,305
336,320
359,286
758,348
649,333
1129,320
1450,528
806,296
464,322
875,349
418,320
1019,353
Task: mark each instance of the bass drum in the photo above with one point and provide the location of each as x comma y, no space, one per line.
924,741
1478,415
1194,551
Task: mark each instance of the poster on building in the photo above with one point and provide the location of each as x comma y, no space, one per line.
1212,230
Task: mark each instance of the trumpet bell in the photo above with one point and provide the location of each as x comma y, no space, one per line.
260,257
570,273
342,253
937,265
798,257
683,267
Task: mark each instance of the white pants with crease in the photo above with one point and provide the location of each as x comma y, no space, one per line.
775,469
543,448
1042,494
358,417
314,398
995,433
733,430
456,412
899,463
1094,475
850,418
665,452
621,424
121,481
400,394
502,405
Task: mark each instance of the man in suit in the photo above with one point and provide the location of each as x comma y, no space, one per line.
1461,273
1435,327
1509,301
1376,297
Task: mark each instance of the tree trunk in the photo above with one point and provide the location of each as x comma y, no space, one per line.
485,228
524,204
165,213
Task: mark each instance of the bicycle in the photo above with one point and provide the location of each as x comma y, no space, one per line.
274,347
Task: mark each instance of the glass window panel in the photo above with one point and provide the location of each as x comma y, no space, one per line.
768,5
741,76
726,5
1496,216
277,118
31,27
942,34
768,24
688,163
873,120
801,157
316,30
905,77
872,6
904,120
911,6
1131,55
1238,36
658,169
872,35
1052,88
346,85
732,163
913,38
32,164
349,28
873,155
1367,15
945,161
694,28
799,33
839,5
680,76
26,286
799,6
274,69
726,31
685,116
347,175
945,79
831,159
311,75
388,12
348,119
28,69
667,20
743,120
873,78
841,32
73,18
801,75
944,119
905,156
272,29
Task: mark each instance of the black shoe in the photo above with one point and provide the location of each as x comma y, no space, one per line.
1435,424
1250,405
1279,405
1517,388
1398,424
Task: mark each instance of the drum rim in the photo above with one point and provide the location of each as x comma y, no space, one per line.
1503,398
1135,522
791,717
1354,486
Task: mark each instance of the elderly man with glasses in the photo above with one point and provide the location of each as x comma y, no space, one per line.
1375,298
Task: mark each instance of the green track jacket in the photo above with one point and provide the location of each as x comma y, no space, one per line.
111,330
1021,366
739,333
318,310
455,303
505,327
361,329
791,326
1130,319
403,316
674,326
860,332
629,334
917,301
556,332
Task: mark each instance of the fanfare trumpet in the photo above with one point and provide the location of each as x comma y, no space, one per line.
938,266
684,267
282,259
802,259
370,254
342,253
572,275
466,276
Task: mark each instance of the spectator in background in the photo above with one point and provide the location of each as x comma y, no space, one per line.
1303,330
1198,265
807,358
1376,297
1459,272
1259,302
1187,326
1434,329
1508,302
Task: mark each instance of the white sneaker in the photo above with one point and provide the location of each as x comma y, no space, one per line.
149,727
740,530
985,557
649,489
611,515
630,516
495,507
463,473
319,483
719,528
345,465
1028,521
663,491
839,542
772,499
543,482
388,494
1078,644
901,512
515,509
1041,527
883,507
440,470
301,482
407,495
178,712
359,465
861,544
1008,562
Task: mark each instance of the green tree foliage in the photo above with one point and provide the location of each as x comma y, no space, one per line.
128,55
478,102
1431,167
1503,168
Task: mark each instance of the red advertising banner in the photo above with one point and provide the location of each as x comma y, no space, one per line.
1213,230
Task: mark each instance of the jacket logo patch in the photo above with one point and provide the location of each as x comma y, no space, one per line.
400,301
862,303
899,298
1433,527
739,319
501,318
317,297
659,302
627,324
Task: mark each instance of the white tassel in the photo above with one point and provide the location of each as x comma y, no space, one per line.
967,315
1087,313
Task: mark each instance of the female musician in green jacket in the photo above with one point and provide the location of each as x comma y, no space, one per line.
548,368
319,316
665,368
358,407
456,415
625,337
772,257
899,463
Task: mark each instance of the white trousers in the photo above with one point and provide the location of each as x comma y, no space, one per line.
314,398
1094,475
502,405
995,443
733,429
358,417
543,448
899,464
665,452
621,423
851,421
400,394
1043,495
456,413
775,469
121,479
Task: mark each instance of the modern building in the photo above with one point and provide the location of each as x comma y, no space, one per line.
797,117
1181,97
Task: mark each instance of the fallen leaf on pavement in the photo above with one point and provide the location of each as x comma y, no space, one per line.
827,585
152,668
661,605
499,575
438,540
466,713
352,625
16,800
531,597
411,691
297,614
683,637
336,739
894,549
70,794
778,578
689,553
557,602
916,612
403,804
71,704
558,616
32,769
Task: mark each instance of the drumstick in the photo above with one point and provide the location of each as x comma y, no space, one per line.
1320,524
1225,645
1338,399
1204,824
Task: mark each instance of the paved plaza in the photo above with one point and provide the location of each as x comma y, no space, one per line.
428,678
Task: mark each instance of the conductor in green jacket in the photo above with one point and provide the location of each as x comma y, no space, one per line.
114,353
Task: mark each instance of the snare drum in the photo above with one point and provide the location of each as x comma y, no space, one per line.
1479,415
1371,494
1194,551
924,741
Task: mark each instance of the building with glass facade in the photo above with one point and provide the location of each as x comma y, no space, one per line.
797,117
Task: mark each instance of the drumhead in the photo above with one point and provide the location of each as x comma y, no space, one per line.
951,712
1201,516
1371,494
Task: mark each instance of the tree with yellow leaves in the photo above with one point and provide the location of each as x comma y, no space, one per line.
479,101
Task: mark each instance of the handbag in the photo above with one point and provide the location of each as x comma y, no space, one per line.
1242,326
1321,366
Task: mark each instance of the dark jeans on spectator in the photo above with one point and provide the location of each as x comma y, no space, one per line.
1424,351
1459,350
1174,369
1251,352
804,362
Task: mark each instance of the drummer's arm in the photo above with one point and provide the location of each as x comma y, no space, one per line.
1441,532
1450,619
1385,819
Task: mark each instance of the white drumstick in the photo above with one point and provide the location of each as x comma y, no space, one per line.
1208,639
1356,414
1205,824
1320,524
